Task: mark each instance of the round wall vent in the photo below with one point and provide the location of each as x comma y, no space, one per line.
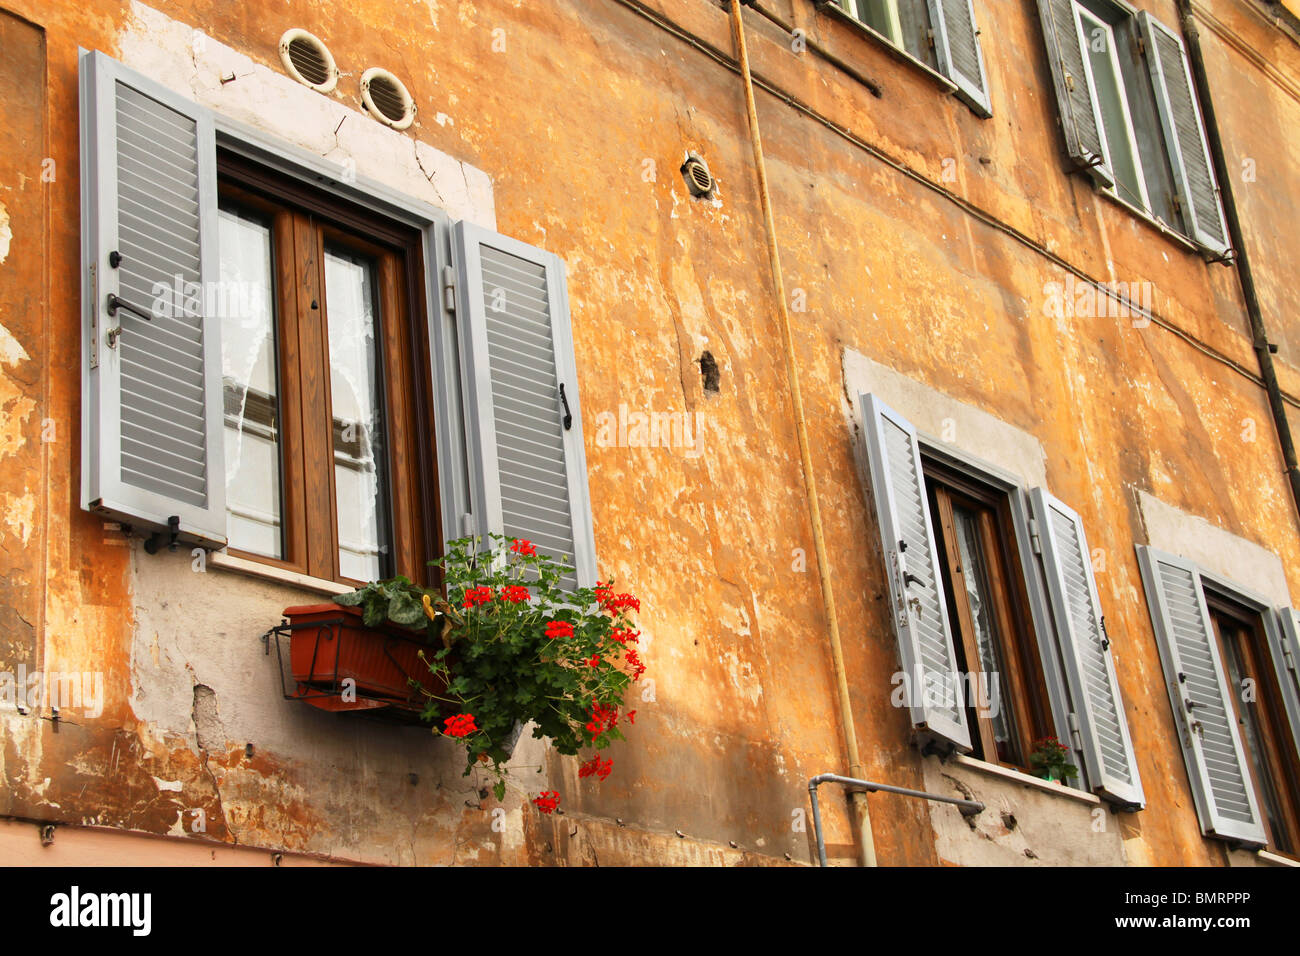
698,178
308,60
386,98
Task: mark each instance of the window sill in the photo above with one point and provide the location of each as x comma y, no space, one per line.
1166,230
1015,776
835,13
269,572
1278,860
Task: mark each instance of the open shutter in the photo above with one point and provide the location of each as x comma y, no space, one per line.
917,601
1196,185
1198,692
152,446
1074,96
523,422
957,49
1090,670
1284,646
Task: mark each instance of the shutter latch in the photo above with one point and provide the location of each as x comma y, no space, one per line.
568,415
1105,637
114,303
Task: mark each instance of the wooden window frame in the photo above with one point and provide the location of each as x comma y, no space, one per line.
1282,762
302,220
1023,689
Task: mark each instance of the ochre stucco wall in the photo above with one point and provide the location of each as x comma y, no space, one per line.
896,258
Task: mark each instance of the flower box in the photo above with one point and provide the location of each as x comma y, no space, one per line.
329,645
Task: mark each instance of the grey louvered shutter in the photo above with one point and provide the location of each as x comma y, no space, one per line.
1074,96
1284,645
918,605
1198,693
523,422
152,443
957,49
1196,185
1090,670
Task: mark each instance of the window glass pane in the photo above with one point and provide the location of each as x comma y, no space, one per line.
244,302
1108,84
1232,638
979,597
359,474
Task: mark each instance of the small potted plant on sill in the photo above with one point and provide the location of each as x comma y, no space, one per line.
1051,761
509,646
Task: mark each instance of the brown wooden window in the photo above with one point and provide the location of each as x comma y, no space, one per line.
329,449
988,606
1261,718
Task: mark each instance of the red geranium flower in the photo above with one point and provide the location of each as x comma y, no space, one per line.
478,595
514,593
595,767
462,725
556,629
547,801
593,660
523,546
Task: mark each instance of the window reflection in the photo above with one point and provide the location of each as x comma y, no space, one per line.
360,499
248,370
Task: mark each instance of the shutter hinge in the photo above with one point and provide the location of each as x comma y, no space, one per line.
929,38
1035,541
449,288
1142,46
466,524
1069,82
1075,734
1289,659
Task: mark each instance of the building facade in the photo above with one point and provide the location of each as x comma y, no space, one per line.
1036,260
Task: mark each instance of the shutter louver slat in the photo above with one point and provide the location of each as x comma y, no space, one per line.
1090,671
531,479
919,608
1284,647
1074,96
957,49
1184,132
151,433
1211,744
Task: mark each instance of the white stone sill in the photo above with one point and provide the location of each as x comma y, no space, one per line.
1277,860
269,572
1015,776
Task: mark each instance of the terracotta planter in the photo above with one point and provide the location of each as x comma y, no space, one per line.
330,644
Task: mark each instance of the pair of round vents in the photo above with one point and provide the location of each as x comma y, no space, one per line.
310,62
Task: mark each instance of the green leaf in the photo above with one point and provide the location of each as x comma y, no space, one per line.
405,609
500,790
352,598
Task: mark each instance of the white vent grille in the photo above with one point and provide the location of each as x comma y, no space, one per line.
387,98
308,60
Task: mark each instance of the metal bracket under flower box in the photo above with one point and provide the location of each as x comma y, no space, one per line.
336,665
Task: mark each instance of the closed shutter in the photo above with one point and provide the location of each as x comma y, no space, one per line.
1195,184
1074,97
1284,646
957,49
918,606
1090,670
152,446
523,422
1198,692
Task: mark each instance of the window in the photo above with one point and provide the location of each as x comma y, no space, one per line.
989,610
1232,686
310,476
1261,718
941,35
990,584
1130,116
319,372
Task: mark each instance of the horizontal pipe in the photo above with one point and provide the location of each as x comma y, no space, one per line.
968,808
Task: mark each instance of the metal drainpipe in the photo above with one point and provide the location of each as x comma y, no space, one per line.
866,844
1246,275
